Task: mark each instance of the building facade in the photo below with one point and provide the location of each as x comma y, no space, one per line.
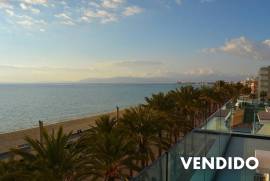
264,81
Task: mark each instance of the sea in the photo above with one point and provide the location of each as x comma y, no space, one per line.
23,105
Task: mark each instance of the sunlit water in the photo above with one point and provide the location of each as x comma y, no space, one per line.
22,105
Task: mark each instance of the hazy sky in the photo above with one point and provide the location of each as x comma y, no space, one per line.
70,40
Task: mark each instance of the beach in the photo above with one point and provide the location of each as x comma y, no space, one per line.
14,139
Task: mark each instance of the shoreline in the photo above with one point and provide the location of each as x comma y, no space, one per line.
16,138
60,120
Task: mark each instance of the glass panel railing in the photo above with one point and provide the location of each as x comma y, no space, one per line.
220,120
246,146
156,172
198,143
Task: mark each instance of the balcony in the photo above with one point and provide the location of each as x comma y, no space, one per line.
218,136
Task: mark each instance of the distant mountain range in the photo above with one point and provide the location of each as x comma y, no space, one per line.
130,80
182,77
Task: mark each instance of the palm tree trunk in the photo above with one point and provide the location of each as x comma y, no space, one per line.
159,146
130,172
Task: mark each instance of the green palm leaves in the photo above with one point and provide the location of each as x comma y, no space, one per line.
55,159
107,151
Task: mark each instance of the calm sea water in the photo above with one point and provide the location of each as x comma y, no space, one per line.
22,105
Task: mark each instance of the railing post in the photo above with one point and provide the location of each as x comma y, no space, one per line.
167,166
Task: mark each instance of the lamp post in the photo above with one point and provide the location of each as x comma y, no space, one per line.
117,113
40,131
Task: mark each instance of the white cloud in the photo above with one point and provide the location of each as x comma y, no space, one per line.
200,71
244,47
63,16
116,71
23,6
35,1
4,4
67,22
20,73
65,19
25,23
112,3
266,42
10,12
131,10
35,10
60,11
28,21
137,64
106,16
102,15
29,8
128,68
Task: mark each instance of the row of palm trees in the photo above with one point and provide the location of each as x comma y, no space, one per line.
117,149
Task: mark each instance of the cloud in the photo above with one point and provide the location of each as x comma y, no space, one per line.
165,76
28,21
65,19
29,8
36,1
102,15
128,68
20,73
66,12
243,47
200,71
23,6
100,70
266,42
4,4
63,16
112,3
119,71
138,64
131,10
9,12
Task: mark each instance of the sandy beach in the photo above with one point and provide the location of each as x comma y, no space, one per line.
13,139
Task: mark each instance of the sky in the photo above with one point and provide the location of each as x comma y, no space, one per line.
168,40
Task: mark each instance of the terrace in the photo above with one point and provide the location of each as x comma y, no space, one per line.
233,131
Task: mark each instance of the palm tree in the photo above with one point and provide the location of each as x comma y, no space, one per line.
56,159
108,154
186,107
105,124
140,125
160,101
208,99
14,170
163,105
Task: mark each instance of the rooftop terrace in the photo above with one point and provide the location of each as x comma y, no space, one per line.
218,136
